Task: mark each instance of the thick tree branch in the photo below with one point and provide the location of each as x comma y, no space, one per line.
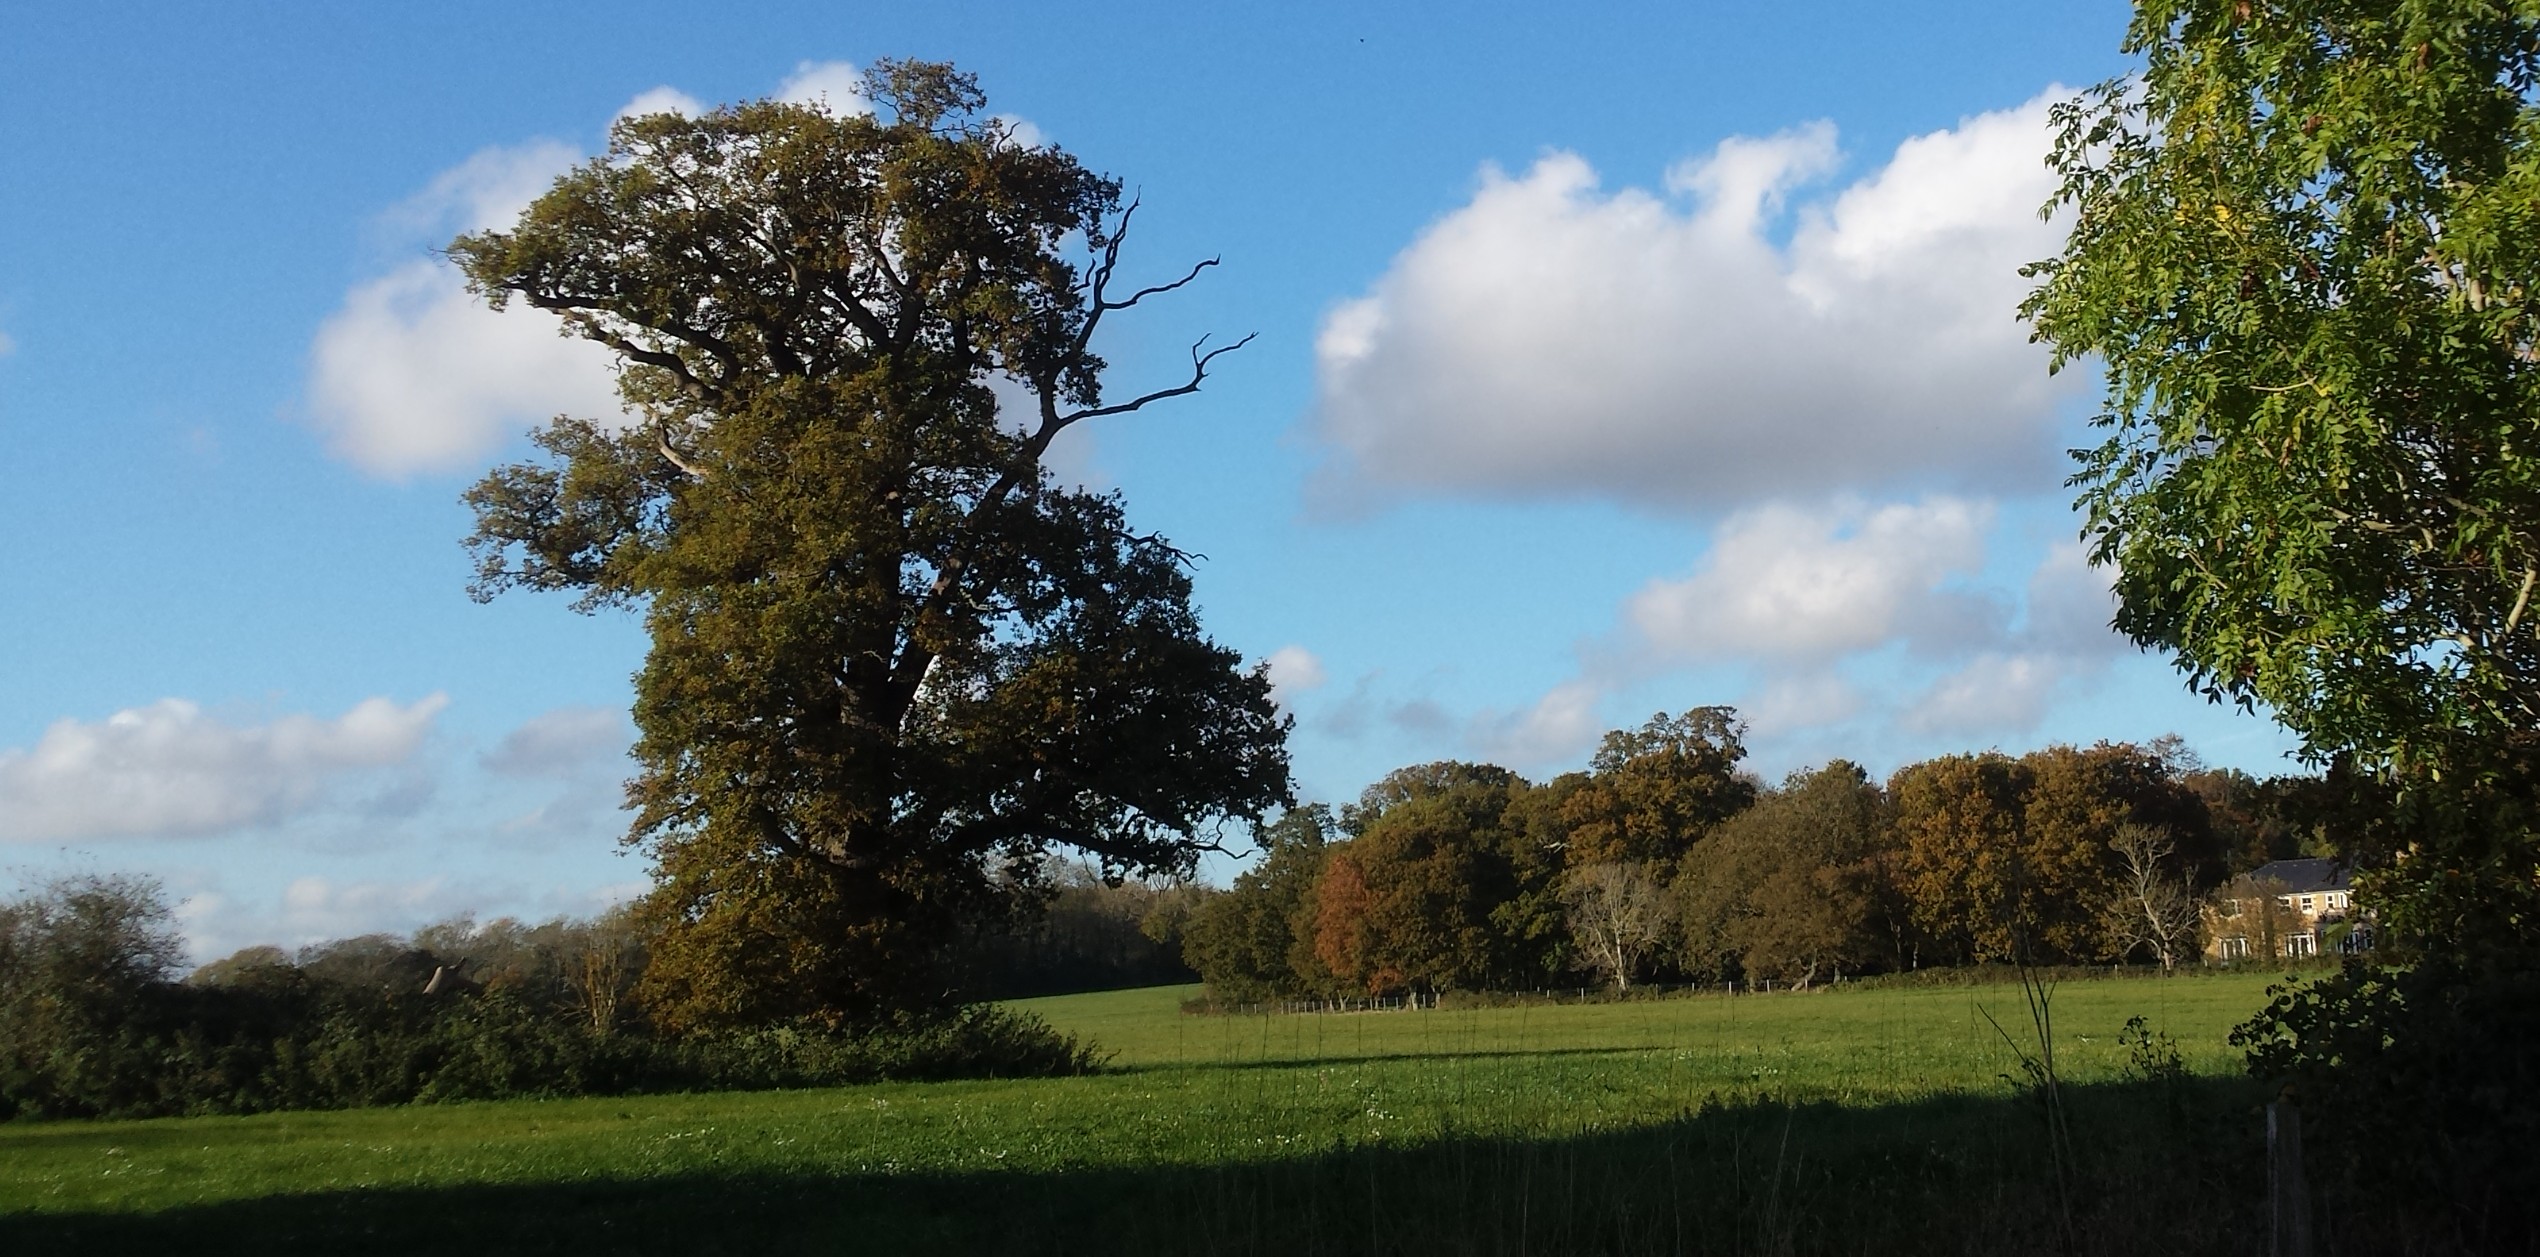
584,312
661,442
594,329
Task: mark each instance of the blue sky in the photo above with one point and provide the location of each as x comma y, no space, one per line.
1610,360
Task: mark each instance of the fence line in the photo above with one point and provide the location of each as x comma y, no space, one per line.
1420,1001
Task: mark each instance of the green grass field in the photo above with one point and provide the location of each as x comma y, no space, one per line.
1870,1119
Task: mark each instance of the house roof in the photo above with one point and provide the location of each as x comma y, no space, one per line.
2302,877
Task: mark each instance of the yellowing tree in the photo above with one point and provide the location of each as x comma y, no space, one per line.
1959,823
1652,792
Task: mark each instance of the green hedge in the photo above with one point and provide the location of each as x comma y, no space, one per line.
92,1025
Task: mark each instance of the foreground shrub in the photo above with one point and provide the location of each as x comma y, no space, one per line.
977,1041
226,1051
2418,1083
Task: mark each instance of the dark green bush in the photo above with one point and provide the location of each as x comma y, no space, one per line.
82,964
977,1041
2417,1083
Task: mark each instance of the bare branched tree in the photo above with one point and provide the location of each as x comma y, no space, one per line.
1618,913
606,957
2150,906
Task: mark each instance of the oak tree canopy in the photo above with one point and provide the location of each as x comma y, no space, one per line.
892,660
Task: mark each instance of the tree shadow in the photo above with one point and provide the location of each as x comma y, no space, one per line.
2173,1168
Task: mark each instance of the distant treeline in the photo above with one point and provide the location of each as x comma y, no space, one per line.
1083,934
1666,862
95,1022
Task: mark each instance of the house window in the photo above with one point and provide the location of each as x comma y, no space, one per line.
2301,945
2306,903
2235,948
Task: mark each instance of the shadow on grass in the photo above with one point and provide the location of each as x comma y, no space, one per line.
2167,1169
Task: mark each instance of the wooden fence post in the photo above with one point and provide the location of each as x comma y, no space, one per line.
2288,1196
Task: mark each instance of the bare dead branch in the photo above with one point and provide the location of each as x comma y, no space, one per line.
943,593
1155,289
1100,281
1199,373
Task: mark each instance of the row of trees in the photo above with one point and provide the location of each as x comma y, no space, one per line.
1663,860
1082,933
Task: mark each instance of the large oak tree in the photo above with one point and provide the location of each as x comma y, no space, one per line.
891,659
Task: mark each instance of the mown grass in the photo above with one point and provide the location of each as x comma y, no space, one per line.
1871,1120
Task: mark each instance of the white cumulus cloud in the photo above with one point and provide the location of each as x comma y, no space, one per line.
2065,639
1561,724
1992,693
582,751
1294,670
172,769
488,190
1851,616
1804,700
2072,605
660,100
315,908
1553,338
412,373
1791,584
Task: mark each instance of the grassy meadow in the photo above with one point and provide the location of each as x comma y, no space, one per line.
1864,1119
